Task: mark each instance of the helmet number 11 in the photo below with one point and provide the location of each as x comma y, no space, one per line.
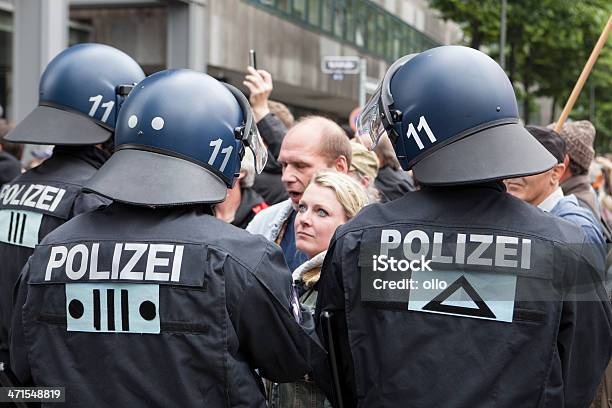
414,133
227,151
96,103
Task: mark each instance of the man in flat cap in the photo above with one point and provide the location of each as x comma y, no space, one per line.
543,190
579,137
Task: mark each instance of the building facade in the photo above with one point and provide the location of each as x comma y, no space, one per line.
290,37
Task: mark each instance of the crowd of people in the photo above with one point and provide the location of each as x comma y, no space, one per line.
232,313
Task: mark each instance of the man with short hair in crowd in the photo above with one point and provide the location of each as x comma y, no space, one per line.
543,190
314,143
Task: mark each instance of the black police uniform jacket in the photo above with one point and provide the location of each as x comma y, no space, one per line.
520,321
33,205
170,307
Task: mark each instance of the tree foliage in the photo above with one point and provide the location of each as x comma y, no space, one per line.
547,44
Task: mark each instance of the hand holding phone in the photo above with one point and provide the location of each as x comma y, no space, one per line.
259,83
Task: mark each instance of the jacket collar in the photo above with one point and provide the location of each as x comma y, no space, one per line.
496,185
89,154
314,262
551,201
576,184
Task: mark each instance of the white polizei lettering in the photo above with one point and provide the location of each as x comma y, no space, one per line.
27,192
35,195
54,261
46,196
153,261
79,273
127,272
116,260
29,201
506,253
15,199
423,244
57,200
176,264
3,190
526,254
485,241
93,266
8,196
437,250
81,258
389,239
501,250
460,250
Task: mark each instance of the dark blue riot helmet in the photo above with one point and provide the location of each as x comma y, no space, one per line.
80,93
452,117
179,139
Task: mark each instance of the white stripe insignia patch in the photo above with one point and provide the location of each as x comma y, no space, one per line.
20,227
112,308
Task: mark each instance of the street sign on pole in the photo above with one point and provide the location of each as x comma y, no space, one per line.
340,65
363,79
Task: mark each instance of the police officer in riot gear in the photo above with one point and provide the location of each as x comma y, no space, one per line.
460,295
77,108
152,301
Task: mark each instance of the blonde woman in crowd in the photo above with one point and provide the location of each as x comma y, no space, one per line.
330,200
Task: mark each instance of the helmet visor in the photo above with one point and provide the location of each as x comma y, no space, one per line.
369,123
250,136
255,143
